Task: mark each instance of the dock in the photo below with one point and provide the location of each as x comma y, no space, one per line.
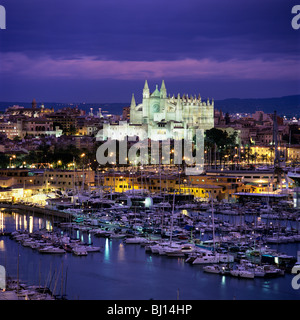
36,210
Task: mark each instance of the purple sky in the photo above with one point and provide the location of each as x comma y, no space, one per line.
103,50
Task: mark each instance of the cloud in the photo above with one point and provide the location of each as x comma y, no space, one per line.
90,68
65,46
151,29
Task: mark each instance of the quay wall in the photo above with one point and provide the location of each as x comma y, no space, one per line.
36,210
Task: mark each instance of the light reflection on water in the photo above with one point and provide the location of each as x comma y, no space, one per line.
25,222
2,245
89,238
121,252
223,281
40,223
127,272
106,250
1,221
180,262
31,224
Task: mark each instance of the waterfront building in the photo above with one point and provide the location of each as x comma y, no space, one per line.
6,182
68,179
293,153
254,177
22,177
200,187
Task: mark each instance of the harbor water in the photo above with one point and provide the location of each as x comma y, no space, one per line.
123,271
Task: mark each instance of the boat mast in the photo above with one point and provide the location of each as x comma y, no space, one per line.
213,219
172,218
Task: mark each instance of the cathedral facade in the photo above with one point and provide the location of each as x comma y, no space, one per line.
161,116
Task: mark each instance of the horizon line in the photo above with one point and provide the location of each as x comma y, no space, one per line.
84,102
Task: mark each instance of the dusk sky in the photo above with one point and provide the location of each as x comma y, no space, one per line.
103,50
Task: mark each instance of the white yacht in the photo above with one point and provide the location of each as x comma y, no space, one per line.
215,268
156,247
92,249
134,240
180,251
242,272
51,249
211,257
206,257
117,236
80,251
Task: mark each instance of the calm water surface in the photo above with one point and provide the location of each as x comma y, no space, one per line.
125,272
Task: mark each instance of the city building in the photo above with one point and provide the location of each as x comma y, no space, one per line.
69,179
12,129
200,187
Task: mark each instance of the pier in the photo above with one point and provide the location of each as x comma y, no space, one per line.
36,210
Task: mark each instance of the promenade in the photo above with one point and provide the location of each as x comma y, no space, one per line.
36,210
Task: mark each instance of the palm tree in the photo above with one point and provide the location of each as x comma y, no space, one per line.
264,158
252,157
255,156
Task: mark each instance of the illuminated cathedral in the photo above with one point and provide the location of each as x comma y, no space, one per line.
161,116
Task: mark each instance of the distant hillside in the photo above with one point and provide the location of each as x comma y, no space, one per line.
114,108
289,105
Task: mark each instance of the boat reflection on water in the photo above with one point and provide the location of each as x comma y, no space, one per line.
118,265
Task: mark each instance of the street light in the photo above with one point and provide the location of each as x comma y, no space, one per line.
10,159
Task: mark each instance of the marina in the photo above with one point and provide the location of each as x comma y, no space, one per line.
217,244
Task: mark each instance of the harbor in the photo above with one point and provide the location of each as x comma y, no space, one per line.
220,245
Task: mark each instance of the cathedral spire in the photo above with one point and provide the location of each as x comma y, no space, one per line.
146,91
146,87
133,104
163,90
